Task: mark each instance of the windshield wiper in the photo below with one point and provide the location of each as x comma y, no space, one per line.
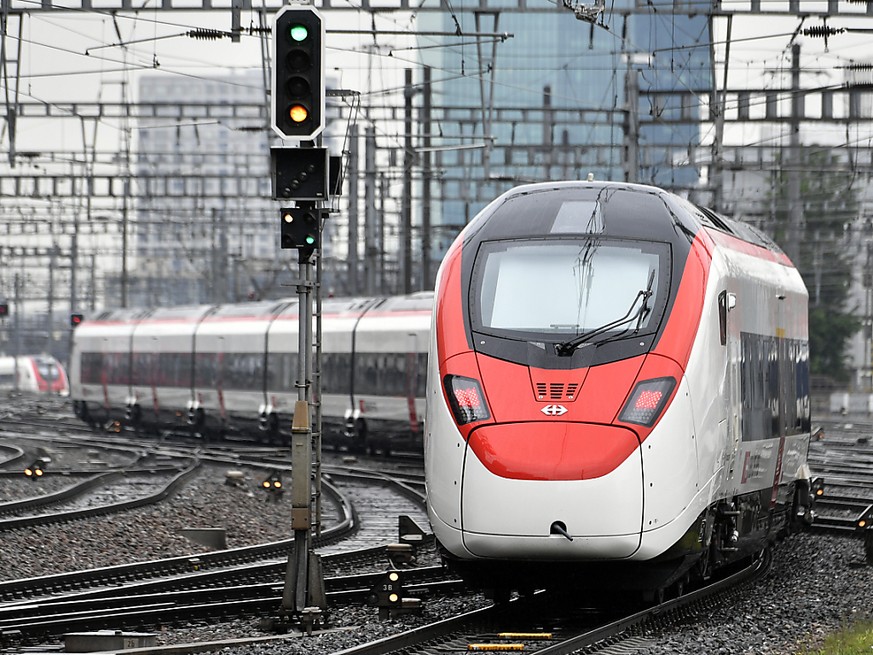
567,347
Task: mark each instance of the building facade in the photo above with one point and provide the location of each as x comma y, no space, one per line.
562,98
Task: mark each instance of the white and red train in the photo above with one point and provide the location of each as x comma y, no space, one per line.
35,373
232,368
617,390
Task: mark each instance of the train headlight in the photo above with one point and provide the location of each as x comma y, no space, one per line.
466,399
647,401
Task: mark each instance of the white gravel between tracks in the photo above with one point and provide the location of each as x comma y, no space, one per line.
818,584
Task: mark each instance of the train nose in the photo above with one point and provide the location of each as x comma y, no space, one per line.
572,490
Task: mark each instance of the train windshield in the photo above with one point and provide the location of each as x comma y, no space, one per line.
561,288
48,369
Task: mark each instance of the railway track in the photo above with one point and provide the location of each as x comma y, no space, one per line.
251,595
110,486
843,457
213,585
550,625
210,596
842,454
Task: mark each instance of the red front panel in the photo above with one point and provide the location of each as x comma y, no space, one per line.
683,320
552,451
450,333
511,394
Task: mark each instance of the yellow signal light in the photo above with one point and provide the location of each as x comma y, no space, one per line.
28,472
277,484
862,523
298,113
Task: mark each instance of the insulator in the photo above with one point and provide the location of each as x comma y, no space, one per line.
859,67
204,34
823,31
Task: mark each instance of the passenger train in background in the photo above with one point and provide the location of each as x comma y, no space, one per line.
213,370
617,392
36,373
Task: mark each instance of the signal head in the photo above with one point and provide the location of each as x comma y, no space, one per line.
300,229
298,73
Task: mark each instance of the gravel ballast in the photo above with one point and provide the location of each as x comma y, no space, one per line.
818,583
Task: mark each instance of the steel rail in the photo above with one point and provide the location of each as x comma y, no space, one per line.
42,619
415,640
754,571
12,454
44,519
31,587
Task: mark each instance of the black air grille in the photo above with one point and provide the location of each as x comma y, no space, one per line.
556,390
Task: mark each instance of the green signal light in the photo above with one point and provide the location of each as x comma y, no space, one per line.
299,33
310,240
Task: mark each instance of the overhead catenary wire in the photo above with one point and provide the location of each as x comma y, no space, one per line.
394,90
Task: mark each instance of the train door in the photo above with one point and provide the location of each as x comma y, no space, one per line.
219,380
730,339
277,345
412,378
786,392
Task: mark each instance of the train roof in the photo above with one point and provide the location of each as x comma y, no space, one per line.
421,301
287,307
259,309
618,209
119,314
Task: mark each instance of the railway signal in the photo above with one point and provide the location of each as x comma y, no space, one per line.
388,593
273,483
4,308
35,471
298,73
300,173
865,526
300,230
75,319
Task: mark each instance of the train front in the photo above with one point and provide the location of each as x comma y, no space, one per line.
559,426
